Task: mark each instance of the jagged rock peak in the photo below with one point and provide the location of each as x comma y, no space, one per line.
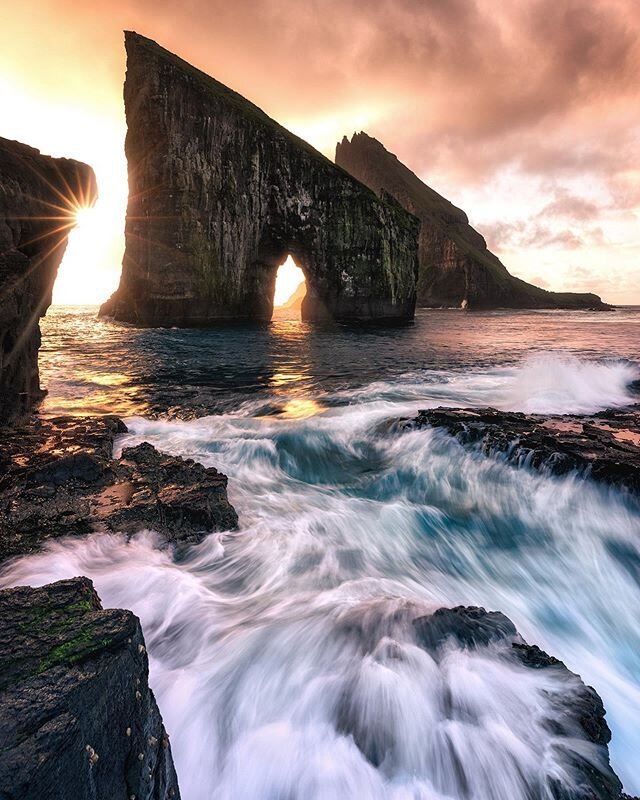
38,198
456,267
219,195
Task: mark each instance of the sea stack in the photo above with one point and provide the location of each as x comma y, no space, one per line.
38,198
457,270
220,194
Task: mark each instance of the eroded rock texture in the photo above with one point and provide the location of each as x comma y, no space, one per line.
456,268
58,478
604,446
38,197
77,717
219,194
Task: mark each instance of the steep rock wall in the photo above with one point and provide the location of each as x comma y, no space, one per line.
219,194
456,268
38,197
77,717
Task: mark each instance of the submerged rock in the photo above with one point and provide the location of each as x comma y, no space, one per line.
38,199
456,268
58,478
604,446
578,711
483,687
77,717
226,193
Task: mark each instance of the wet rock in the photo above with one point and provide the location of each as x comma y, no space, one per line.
38,199
457,270
578,709
76,710
60,479
468,626
377,698
604,446
226,193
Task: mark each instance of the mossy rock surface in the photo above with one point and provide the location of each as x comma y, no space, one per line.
76,710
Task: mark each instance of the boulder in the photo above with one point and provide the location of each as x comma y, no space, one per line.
77,717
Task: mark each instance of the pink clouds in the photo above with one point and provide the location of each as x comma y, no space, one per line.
464,91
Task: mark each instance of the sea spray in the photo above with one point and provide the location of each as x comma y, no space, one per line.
341,515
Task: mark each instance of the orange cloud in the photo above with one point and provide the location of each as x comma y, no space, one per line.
507,108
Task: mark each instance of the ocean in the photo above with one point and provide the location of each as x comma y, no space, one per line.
346,521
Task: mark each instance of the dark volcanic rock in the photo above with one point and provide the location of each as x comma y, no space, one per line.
58,478
456,268
570,714
77,717
468,625
604,446
219,194
38,198
579,710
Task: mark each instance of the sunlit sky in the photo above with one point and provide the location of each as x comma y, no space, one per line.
525,114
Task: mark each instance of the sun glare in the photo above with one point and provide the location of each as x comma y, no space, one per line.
288,279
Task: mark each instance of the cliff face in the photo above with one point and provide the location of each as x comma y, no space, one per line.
78,718
219,194
38,195
456,268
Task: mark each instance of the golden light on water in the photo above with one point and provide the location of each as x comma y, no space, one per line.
289,278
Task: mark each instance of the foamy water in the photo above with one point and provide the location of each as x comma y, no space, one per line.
347,529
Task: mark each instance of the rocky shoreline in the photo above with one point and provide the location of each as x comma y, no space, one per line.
83,665
604,447
77,717
59,478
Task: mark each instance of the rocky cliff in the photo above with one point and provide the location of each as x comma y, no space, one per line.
456,268
219,194
38,198
77,717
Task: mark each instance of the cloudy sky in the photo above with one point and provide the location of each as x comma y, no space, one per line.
526,113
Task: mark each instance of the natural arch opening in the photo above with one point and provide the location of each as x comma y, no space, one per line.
290,289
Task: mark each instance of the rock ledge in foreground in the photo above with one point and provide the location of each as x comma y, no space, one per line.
59,478
77,717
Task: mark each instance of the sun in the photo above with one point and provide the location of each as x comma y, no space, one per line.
83,215
289,277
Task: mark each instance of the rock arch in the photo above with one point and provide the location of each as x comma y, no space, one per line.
220,193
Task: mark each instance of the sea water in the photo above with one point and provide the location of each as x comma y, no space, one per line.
349,524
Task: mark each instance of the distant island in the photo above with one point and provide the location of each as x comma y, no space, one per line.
457,270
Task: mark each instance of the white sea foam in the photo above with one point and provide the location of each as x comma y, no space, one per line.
253,637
